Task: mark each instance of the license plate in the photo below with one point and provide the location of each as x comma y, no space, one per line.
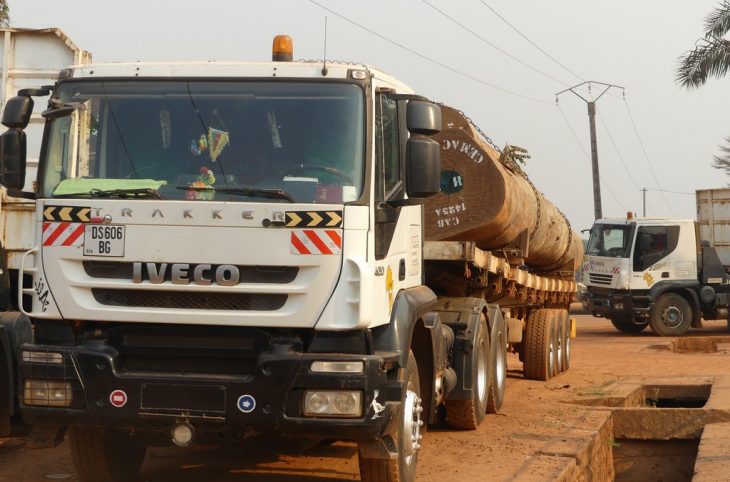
103,240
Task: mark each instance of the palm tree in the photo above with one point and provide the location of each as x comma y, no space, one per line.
722,161
711,55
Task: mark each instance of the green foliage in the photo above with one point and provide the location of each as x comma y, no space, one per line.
722,161
4,14
711,55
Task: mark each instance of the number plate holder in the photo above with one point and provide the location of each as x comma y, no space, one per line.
104,240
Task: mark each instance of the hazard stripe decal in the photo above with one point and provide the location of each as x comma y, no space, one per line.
63,234
313,219
315,241
72,214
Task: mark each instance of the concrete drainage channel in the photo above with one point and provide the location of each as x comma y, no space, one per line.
673,429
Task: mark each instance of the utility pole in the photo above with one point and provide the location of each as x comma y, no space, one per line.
597,209
643,193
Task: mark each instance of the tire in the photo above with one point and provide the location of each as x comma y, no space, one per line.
561,321
99,458
469,414
671,315
498,352
402,468
538,356
566,342
626,325
556,343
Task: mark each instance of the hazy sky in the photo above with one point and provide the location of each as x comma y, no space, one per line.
630,43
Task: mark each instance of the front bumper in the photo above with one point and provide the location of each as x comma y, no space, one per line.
608,303
155,401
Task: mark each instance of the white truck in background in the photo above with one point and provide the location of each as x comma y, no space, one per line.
663,272
30,58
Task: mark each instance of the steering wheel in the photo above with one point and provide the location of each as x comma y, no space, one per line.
318,167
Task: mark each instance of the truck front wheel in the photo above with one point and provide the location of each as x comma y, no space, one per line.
671,315
407,438
624,324
99,457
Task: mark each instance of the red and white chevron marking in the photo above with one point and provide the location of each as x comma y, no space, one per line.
63,234
316,241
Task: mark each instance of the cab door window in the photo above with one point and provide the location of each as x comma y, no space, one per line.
654,243
388,171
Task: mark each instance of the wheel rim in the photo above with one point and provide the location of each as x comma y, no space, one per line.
567,348
551,356
560,350
672,316
500,366
412,424
482,372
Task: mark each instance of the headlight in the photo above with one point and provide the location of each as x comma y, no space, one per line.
41,357
337,367
47,393
333,403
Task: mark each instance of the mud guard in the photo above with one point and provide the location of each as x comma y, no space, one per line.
462,315
409,306
15,329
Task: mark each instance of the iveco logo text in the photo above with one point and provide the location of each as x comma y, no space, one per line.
183,273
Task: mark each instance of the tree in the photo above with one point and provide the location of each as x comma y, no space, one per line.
711,55
722,161
4,13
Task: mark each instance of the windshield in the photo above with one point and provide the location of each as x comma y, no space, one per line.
207,140
610,240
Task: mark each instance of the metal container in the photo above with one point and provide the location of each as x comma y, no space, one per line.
713,217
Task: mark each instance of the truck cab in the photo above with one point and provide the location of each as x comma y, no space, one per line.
226,250
650,271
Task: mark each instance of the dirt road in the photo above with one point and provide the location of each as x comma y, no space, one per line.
535,414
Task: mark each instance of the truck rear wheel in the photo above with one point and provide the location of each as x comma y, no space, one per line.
97,457
469,414
498,357
671,315
560,322
626,325
537,345
407,438
566,342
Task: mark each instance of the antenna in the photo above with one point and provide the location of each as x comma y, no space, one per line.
324,58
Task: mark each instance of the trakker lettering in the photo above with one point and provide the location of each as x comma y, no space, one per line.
183,273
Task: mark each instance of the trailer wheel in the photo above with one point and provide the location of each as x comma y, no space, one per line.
566,342
498,352
557,342
539,355
469,414
626,325
671,315
97,457
407,437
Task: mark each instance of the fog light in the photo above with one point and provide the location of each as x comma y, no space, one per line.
333,403
47,393
183,434
41,357
618,306
337,367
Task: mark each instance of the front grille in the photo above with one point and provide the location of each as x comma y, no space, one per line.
189,301
248,274
600,279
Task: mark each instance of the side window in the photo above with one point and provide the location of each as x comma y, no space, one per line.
387,142
653,243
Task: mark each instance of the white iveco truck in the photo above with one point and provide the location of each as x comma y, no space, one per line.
228,250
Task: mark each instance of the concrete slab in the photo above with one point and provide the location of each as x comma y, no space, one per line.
713,455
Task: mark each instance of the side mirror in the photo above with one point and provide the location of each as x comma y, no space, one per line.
423,117
12,158
17,112
423,167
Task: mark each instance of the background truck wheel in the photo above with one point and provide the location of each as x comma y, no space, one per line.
539,358
498,359
97,457
671,315
626,325
469,414
407,438
566,342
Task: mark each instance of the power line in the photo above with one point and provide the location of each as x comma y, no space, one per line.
425,57
585,153
646,157
626,168
531,42
496,47
671,192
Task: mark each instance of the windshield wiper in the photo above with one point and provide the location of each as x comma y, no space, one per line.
147,192
246,191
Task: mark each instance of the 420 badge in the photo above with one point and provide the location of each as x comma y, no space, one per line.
103,240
